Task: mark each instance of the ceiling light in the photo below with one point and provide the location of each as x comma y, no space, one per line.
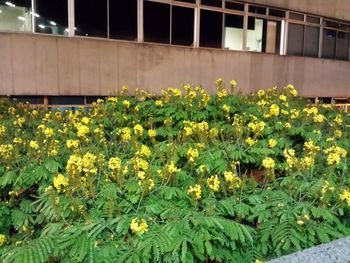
35,14
41,26
21,18
53,23
10,4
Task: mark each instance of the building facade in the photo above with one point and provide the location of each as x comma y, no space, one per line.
77,50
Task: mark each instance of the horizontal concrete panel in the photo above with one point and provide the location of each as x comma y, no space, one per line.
52,65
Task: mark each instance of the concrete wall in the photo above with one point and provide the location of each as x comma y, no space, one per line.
51,65
329,8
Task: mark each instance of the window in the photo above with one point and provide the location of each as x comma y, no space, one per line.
234,6
187,1
37,100
257,10
123,19
66,100
211,29
276,12
313,19
256,35
342,50
16,16
296,16
328,46
156,22
312,35
182,26
51,17
233,32
217,3
91,18
295,39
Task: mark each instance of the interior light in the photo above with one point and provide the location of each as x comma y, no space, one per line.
0,11
53,23
41,26
67,30
10,4
35,14
21,18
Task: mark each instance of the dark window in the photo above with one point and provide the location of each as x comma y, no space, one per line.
211,29
20,3
182,25
156,22
187,1
91,99
256,35
29,99
91,18
16,16
328,43
66,100
51,16
331,24
312,35
276,12
296,16
257,9
217,3
342,50
233,32
295,39
313,19
235,6
123,19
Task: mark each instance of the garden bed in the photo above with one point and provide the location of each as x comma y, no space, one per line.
185,177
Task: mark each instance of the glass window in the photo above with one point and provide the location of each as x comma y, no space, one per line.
123,19
257,10
256,35
276,12
342,50
187,1
312,35
234,6
296,16
333,24
295,39
156,22
91,18
182,26
16,16
233,32
29,99
328,43
51,17
211,29
313,19
66,100
217,3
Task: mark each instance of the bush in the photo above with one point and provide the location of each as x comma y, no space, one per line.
185,177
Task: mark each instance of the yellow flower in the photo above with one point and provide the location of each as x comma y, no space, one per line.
60,182
126,104
232,180
188,131
2,239
72,144
345,196
268,163
261,93
34,145
171,168
258,261
114,163
74,165
6,151
85,120
88,163
83,130
300,222
141,175
213,183
274,110
319,118
282,98
3,130
233,84
226,108
144,151
333,158
287,125
192,154
152,133
272,143
125,134
17,140
150,184
138,129
195,191
338,120
338,133
250,141
138,226
139,164
159,103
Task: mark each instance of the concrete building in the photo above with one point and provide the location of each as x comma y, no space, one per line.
72,51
